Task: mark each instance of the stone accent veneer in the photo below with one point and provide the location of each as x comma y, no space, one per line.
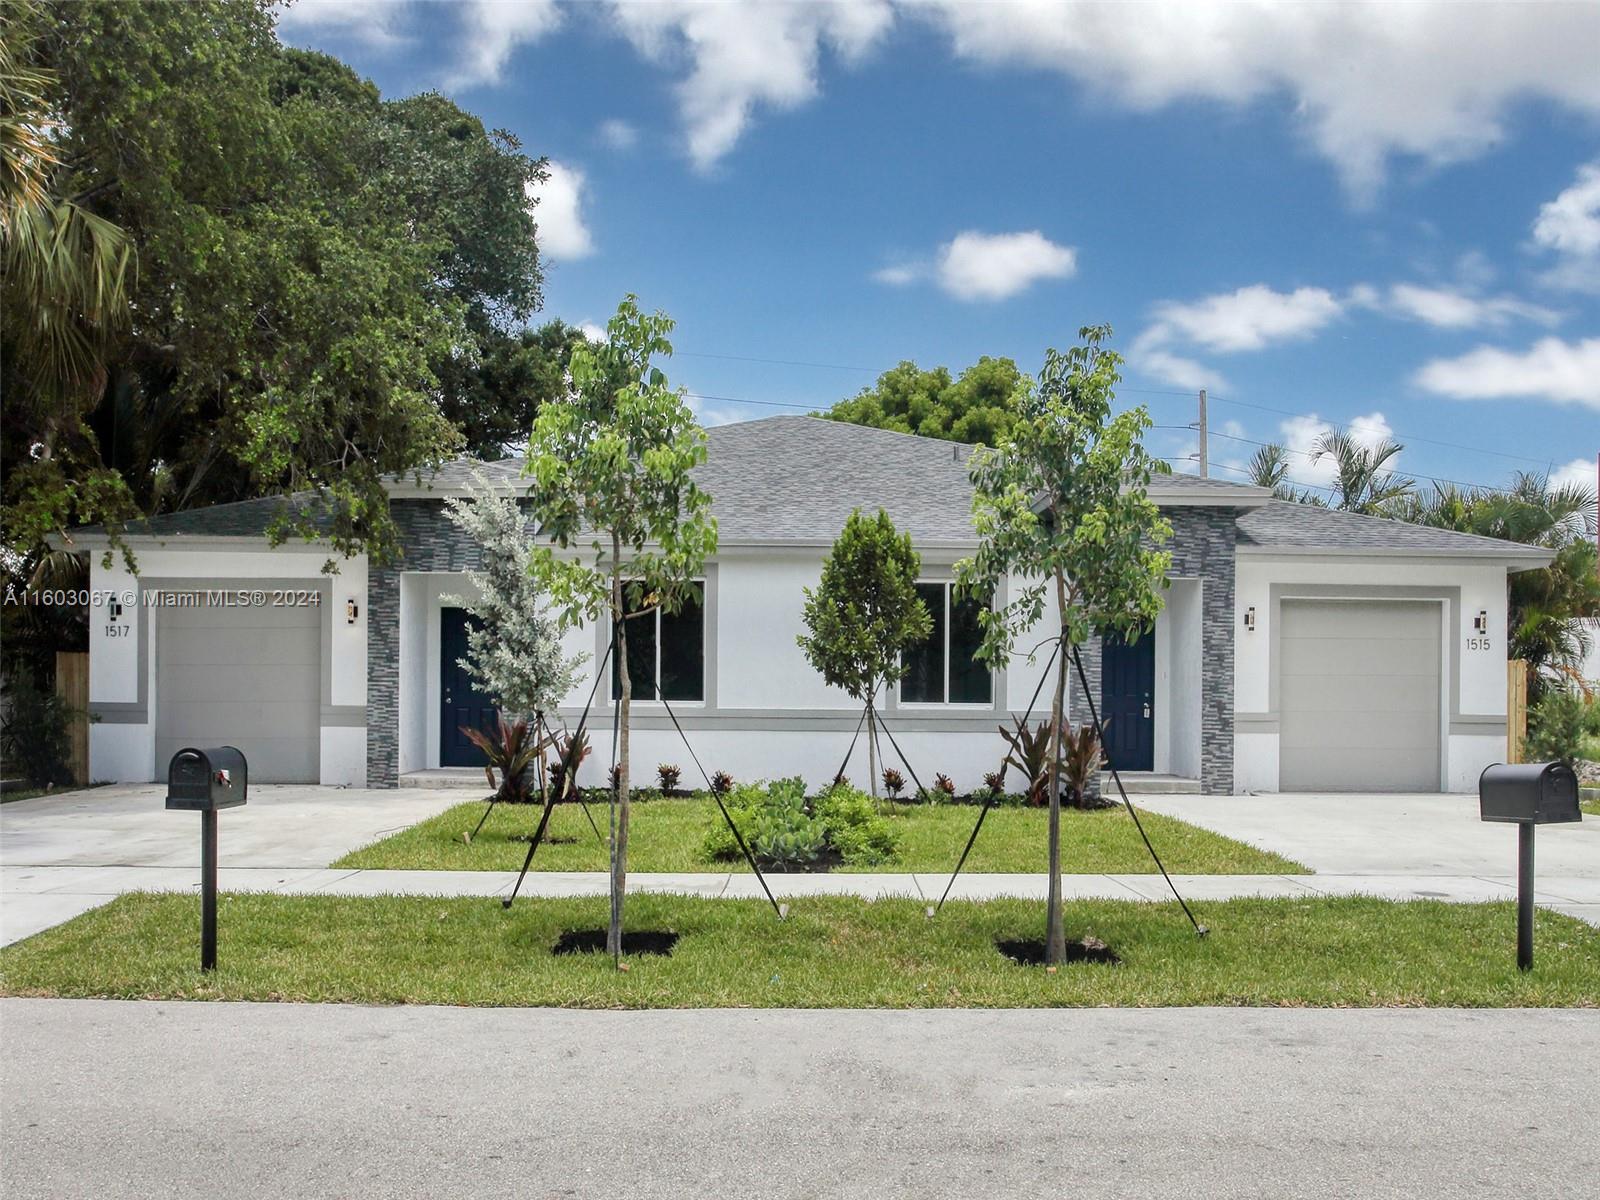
429,542
1203,546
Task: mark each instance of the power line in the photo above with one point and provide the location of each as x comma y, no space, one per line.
1406,436
1286,412
740,400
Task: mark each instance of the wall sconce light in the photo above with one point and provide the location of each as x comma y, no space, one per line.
116,609
1250,619
1481,621
352,610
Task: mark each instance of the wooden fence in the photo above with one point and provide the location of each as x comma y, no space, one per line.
1516,708
72,685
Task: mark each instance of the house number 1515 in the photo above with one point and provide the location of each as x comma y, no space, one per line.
1478,643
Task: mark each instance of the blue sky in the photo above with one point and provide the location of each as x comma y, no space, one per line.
1382,218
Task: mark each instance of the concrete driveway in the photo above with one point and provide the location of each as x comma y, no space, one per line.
285,828
1355,834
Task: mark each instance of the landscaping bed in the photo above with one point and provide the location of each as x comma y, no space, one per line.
831,952
671,835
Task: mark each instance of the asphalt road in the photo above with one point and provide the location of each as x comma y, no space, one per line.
107,1099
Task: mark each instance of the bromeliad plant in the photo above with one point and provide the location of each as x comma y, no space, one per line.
893,782
512,749
668,774
1030,754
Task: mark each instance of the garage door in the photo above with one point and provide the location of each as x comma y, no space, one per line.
245,677
1359,696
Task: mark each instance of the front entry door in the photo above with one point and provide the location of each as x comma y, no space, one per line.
460,701
1127,701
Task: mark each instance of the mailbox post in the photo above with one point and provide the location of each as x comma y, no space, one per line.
205,781
1526,795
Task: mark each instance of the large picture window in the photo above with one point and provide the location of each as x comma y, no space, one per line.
946,668
670,647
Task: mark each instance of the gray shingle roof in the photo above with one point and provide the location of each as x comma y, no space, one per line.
1289,525
796,479
243,518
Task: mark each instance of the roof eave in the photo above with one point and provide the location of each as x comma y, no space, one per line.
1529,558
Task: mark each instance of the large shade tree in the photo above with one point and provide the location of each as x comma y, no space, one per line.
976,407
318,273
865,614
629,530
1063,518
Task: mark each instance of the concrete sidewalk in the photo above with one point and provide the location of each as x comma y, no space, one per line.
257,1101
35,898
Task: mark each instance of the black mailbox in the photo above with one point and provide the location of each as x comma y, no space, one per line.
206,780
1529,793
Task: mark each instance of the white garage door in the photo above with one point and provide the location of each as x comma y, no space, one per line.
245,677
1359,696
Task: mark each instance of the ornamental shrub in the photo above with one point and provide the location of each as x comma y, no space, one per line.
855,828
1558,726
36,739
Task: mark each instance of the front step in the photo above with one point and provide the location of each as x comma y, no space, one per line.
465,778
1148,783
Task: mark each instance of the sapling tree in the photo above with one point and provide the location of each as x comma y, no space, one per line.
627,528
865,613
514,648
1061,510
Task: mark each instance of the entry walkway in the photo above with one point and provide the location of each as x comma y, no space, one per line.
35,898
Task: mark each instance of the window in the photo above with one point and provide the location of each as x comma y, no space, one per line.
946,668
670,647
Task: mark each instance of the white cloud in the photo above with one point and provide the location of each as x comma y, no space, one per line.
1552,369
595,333
1249,319
376,23
709,413
1175,369
1301,434
1580,472
1447,308
492,31
996,266
1569,227
618,134
741,57
986,266
559,212
1571,222
1432,80
900,274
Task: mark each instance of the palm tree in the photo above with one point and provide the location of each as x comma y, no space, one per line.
1549,607
66,269
1269,468
1360,483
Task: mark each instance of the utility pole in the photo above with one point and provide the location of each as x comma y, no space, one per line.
1205,469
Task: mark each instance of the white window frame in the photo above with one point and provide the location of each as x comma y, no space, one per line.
705,682
963,705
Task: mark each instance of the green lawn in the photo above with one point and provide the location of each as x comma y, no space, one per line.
831,952
667,835
1589,800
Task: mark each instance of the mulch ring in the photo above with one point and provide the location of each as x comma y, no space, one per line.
1029,952
634,941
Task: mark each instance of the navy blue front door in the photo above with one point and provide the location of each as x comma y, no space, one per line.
1127,701
460,702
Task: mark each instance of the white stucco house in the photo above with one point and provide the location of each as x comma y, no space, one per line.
1300,649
